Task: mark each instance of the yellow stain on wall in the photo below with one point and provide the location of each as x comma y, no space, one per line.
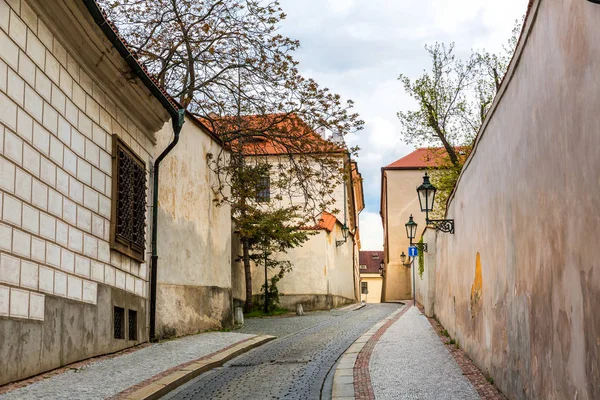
476,289
325,270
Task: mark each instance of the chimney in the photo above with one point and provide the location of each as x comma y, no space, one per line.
337,138
322,132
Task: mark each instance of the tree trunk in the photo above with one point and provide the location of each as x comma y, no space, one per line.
249,305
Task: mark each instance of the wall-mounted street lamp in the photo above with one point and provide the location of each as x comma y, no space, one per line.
344,235
426,194
381,269
403,259
411,231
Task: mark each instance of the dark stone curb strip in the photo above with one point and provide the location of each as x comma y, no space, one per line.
351,379
165,382
362,378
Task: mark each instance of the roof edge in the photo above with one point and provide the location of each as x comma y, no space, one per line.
111,34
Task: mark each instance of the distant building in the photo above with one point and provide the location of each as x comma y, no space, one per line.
399,200
371,279
325,268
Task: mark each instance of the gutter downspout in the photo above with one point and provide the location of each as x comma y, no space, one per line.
177,118
177,124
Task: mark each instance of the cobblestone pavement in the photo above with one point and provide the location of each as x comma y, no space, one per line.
410,362
107,377
291,367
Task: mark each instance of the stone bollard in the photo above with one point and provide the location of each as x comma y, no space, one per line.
239,316
299,310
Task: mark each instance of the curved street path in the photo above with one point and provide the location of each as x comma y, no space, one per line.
295,366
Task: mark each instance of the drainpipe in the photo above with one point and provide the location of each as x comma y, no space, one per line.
177,118
177,124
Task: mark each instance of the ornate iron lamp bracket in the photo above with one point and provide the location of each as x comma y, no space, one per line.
442,225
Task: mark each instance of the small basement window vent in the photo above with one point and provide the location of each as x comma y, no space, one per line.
119,323
132,325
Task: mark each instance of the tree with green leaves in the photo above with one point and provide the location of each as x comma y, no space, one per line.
271,233
453,100
227,64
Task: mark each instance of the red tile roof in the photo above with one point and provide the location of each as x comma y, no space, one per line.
366,257
326,221
273,134
424,157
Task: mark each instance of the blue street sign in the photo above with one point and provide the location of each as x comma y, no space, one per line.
413,251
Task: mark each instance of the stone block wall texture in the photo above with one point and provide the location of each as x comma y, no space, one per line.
518,284
56,123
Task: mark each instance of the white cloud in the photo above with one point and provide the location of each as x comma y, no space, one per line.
359,47
371,231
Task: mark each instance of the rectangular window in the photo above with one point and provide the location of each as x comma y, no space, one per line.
362,266
132,325
119,323
364,288
128,224
375,256
263,192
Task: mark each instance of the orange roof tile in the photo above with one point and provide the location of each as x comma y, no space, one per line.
424,157
326,222
273,134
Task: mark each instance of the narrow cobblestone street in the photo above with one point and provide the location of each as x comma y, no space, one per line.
295,366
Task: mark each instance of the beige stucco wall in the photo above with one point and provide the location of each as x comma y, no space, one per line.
402,201
322,274
57,116
194,238
374,285
518,284
292,190
425,283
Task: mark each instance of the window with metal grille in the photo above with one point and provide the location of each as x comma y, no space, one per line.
132,314
364,288
263,192
119,323
128,223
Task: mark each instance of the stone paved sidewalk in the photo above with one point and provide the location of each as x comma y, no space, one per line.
410,362
107,377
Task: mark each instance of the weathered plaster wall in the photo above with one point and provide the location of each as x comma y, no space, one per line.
72,331
194,241
322,275
59,278
374,285
402,201
519,283
238,280
425,284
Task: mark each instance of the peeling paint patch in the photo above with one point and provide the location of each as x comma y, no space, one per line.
476,289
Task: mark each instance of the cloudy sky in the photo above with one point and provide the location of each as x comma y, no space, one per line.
359,47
